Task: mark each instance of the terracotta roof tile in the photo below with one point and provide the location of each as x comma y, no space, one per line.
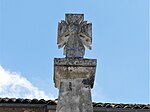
54,102
42,101
27,101
118,106
130,106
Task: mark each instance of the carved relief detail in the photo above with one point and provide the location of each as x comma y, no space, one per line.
73,34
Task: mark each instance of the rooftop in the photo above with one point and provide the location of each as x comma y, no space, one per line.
54,102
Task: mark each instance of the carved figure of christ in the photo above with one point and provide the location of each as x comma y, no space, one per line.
73,34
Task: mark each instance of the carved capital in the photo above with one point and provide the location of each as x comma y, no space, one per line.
65,68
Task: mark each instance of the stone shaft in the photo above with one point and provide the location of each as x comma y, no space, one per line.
74,96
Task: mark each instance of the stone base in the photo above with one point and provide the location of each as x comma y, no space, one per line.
74,77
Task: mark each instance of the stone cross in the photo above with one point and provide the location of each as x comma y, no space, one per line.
74,75
73,34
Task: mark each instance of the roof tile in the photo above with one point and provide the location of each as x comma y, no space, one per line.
54,102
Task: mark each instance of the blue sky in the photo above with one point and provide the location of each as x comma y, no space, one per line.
28,35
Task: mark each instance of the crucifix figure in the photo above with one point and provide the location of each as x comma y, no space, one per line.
73,34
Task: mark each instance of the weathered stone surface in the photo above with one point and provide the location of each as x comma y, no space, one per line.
75,62
74,68
74,96
74,33
74,75
21,109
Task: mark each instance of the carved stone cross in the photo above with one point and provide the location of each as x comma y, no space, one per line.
73,34
74,75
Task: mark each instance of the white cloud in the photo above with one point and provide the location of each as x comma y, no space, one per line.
97,93
13,85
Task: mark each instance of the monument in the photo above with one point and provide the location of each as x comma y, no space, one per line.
74,75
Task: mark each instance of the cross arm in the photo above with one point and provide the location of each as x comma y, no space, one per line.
63,34
86,35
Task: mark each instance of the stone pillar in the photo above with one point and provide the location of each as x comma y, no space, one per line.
74,75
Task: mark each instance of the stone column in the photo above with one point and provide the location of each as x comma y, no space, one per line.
74,75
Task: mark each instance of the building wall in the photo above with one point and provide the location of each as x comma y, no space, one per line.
52,108
19,109
51,111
